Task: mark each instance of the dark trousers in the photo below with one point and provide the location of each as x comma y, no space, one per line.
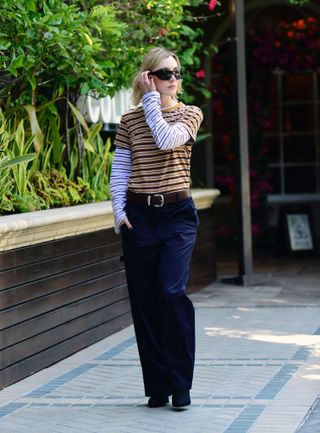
157,253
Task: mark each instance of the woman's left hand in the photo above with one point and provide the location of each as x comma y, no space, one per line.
146,82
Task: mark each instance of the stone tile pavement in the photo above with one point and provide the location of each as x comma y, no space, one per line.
257,371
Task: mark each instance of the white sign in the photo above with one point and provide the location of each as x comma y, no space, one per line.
299,232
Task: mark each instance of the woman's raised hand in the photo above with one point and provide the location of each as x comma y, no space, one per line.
146,82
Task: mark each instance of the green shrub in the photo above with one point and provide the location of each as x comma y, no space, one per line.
51,51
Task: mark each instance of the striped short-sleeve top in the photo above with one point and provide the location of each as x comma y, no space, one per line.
155,170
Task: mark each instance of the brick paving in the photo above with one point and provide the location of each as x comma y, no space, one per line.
257,371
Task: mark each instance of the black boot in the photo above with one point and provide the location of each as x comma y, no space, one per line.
181,399
158,400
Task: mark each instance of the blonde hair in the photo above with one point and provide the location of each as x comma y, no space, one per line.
149,63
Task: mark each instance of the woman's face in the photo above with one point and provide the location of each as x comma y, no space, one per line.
167,87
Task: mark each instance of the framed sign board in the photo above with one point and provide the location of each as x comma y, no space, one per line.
295,231
299,231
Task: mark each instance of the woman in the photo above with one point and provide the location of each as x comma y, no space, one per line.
153,208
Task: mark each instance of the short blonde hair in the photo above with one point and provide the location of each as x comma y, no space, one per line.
149,63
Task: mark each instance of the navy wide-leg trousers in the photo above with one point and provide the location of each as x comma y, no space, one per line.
157,253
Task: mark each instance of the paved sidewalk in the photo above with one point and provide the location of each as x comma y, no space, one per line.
257,371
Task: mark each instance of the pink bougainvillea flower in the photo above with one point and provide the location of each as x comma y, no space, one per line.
200,74
163,31
212,4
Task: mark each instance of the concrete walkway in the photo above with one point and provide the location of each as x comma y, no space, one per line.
257,371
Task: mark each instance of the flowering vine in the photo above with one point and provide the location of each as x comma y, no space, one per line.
212,4
294,47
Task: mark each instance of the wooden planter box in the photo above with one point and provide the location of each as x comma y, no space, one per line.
62,284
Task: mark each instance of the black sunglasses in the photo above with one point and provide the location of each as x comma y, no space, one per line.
166,74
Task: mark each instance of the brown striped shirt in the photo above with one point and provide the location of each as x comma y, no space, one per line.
155,170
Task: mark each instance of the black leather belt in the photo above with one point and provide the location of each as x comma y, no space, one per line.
157,200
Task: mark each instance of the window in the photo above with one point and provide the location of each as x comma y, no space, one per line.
293,140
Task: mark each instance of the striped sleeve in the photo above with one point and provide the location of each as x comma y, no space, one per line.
170,136
120,174
191,120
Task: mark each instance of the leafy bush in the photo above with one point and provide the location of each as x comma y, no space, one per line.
50,48
50,52
29,182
